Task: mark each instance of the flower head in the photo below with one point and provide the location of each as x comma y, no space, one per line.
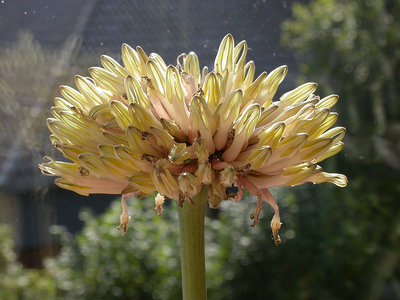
145,127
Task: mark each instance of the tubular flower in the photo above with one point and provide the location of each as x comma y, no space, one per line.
144,126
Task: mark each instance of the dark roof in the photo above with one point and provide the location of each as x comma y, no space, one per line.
50,21
170,27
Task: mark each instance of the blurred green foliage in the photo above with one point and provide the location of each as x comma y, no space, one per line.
101,264
17,282
145,263
353,48
324,255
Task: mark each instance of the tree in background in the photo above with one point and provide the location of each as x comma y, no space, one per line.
353,48
29,76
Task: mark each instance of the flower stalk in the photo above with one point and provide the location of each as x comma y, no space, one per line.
191,226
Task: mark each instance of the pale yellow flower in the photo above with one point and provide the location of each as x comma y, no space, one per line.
145,127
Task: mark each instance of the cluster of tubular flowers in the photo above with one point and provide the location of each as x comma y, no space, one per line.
144,126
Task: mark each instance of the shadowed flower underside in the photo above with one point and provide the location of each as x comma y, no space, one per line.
144,126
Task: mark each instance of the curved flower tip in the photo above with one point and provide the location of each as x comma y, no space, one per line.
159,199
275,226
124,217
143,126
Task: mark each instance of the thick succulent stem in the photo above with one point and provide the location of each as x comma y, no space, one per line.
191,223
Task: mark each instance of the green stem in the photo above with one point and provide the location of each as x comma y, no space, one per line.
191,223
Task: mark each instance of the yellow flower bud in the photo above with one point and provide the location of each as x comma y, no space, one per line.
189,184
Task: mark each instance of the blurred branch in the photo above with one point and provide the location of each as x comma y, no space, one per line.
388,152
386,263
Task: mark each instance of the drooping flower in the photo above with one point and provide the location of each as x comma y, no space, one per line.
144,126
